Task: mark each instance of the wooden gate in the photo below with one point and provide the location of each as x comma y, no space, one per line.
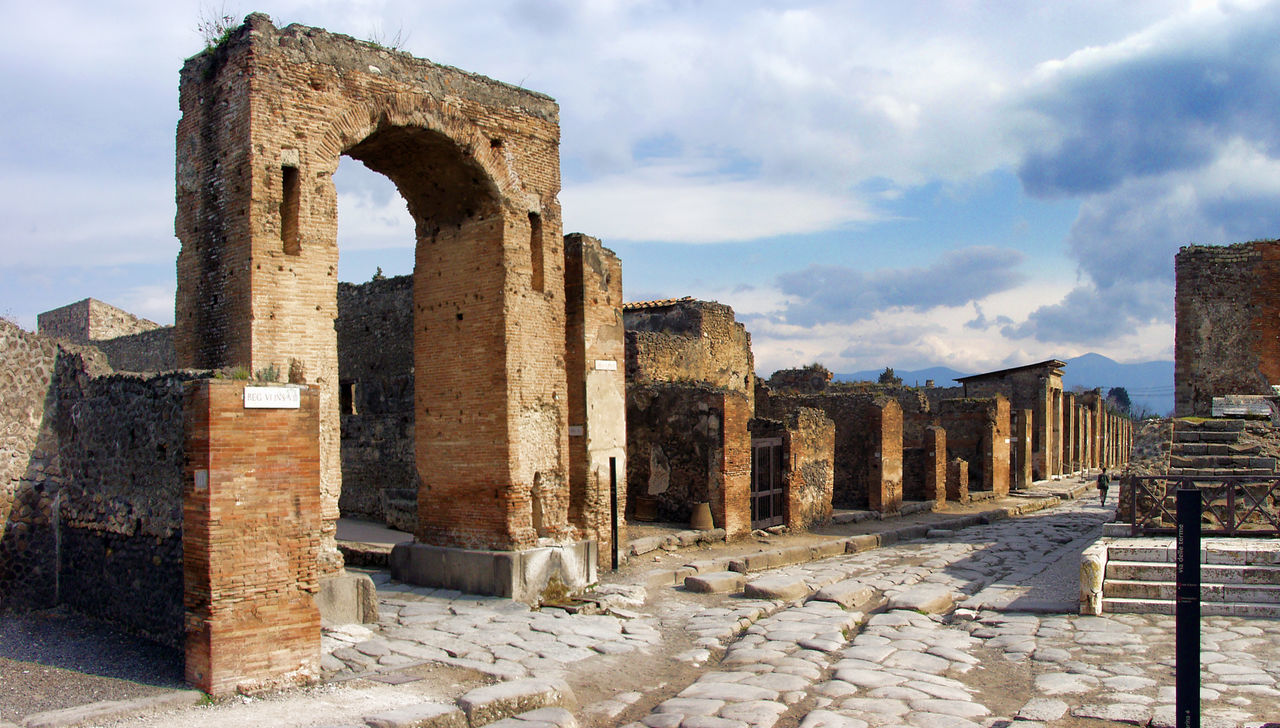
766,482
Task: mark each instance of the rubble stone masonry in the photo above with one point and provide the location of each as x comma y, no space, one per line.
809,447
1227,335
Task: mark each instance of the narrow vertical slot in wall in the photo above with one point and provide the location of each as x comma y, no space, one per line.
290,203
535,250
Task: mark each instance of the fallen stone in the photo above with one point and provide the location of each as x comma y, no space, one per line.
425,715
495,702
785,588
716,582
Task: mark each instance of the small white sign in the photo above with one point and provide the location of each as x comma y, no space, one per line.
575,430
606,365
272,398
202,480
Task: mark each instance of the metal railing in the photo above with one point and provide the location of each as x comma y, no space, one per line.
1231,505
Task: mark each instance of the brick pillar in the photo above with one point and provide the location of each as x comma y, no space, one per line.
731,488
594,364
997,450
935,469
958,481
884,491
250,533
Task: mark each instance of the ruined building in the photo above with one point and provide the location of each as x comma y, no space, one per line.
1226,340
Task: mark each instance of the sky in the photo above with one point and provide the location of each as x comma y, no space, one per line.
967,184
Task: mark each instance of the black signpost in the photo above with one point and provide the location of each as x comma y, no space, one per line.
1187,682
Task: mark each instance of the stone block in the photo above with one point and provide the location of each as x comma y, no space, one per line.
785,588
847,593
927,598
520,575
425,715
1093,568
720,582
494,702
348,598
865,542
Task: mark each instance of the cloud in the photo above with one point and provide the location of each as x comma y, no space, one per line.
1092,314
821,294
1161,101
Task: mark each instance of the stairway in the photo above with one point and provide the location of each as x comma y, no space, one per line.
1208,448
1238,577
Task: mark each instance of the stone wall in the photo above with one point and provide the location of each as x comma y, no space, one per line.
809,464
978,432
868,441
1227,305
146,351
90,493
689,444
691,342
375,401
91,320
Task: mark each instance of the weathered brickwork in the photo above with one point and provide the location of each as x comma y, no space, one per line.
375,401
958,480
868,441
689,341
265,118
90,509
977,431
251,523
1226,338
689,444
1037,387
91,320
595,353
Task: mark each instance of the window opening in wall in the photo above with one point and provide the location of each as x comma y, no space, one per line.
290,204
535,249
347,397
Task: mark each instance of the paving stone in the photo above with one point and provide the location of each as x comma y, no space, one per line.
830,719
426,715
663,720
917,661
876,706
757,713
709,721
846,593
494,702
940,720
868,678
927,598
690,706
781,587
1059,683
1117,712
958,708
870,653
727,692
1043,709
716,582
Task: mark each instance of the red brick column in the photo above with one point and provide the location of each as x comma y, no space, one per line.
958,481
733,511
935,470
251,532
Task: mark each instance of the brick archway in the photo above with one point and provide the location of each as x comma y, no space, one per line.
265,119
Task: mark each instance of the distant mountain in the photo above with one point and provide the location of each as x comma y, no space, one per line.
941,376
1149,384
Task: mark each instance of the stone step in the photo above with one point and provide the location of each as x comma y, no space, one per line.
1167,590
1258,552
1217,424
1210,473
1214,448
1208,609
1192,436
1209,573
1235,462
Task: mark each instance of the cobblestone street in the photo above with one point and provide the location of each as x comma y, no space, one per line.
972,627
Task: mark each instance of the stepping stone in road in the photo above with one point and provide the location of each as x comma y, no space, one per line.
784,588
716,582
927,598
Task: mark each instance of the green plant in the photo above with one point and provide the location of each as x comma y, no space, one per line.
268,374
240,373
215,26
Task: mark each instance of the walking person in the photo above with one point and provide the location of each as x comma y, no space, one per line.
1104,481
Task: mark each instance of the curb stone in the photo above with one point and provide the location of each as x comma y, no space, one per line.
112,710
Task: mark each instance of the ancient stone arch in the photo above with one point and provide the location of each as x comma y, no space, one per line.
265,118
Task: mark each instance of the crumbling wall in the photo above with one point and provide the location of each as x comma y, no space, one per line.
689,444
809,466
146,351
91,320
689,341
375,401
978,432
868,441
90,501
1227,305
